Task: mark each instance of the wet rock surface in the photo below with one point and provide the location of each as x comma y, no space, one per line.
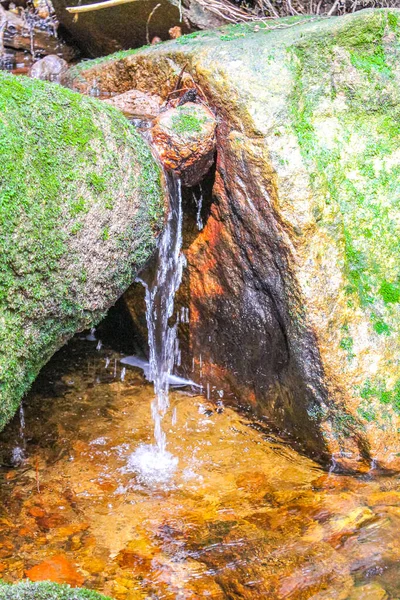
49,68
292,285
82,203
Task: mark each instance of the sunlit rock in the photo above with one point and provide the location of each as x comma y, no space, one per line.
293,284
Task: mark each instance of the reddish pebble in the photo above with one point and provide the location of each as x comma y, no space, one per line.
58,569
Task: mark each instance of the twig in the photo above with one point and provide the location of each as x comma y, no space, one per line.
148,22
334,7
97,6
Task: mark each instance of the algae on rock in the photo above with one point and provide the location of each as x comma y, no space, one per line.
81,205
299,259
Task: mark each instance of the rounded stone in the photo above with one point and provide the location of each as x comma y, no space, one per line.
185,140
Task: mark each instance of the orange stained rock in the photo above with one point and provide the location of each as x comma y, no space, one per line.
57,569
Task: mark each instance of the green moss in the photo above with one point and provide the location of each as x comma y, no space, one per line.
51,182
390,292
360,192
381,328
79,206
347,343
371,60
46,590
187,120
367,413
97,182
377,389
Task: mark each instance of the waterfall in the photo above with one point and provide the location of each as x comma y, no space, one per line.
161,284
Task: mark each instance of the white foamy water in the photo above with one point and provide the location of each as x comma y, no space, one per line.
152,465
155,463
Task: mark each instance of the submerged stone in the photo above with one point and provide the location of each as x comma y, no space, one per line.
57,569
293,285
81,205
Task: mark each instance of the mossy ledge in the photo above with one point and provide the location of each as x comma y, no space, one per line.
45,590
81,204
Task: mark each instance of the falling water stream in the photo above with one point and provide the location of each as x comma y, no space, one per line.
161,283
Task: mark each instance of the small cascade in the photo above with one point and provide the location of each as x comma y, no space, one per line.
161,283
199,205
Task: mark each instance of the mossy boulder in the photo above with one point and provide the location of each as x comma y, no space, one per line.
81,205
46,590
295,280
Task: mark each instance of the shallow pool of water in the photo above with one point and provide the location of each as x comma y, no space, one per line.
241,515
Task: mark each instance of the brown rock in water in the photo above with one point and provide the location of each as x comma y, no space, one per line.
49,68
57,569
136,103
184,138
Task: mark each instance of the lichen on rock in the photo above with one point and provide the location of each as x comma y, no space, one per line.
81,205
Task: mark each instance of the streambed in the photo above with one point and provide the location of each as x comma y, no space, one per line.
243,516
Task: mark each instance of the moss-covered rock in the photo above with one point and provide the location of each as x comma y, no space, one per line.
45,590
81,204
308,188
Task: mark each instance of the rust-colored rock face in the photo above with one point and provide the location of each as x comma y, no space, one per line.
293,285
184,138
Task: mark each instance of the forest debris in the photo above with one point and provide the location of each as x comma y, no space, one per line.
175,32
76,10
21,33
148,22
